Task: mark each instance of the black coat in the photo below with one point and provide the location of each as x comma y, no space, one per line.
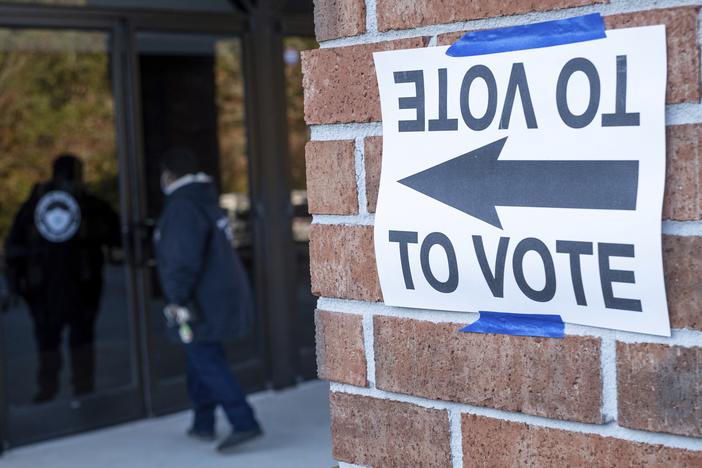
63,276
198,265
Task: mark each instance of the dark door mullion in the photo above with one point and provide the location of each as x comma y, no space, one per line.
132,182
269,157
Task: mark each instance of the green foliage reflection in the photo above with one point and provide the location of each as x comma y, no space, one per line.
55,96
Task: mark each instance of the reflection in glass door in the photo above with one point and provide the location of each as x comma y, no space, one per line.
192,96
66,330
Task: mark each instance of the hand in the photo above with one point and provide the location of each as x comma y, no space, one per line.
176,314
171,314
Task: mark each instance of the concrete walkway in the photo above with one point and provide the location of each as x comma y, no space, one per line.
296,422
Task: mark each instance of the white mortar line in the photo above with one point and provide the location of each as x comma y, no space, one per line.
354,220
681,114
378,308
606,430
608,363
682,228
369,347
668,227
614,7
679,337
371,18
345,131
456,438
360,165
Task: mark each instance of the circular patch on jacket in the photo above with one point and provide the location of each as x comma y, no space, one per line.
57,216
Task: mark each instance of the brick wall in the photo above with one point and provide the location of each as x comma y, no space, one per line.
408,390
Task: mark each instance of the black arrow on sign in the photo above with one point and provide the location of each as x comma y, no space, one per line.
476,182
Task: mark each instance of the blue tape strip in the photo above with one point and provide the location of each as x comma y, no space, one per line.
505,323
530,36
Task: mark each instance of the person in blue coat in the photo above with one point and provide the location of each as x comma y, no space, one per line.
208,294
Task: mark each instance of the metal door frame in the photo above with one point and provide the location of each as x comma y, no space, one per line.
268,137
162,395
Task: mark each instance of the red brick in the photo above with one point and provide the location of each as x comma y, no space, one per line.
340,83
659,388
383,433
342,262
341,355
683,280
683,196
373,157
405,14
331,177
339,18
540,376
449,38
493,442
683,49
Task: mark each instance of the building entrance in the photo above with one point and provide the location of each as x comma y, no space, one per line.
89,100
192,96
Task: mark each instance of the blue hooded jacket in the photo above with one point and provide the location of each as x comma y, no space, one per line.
198,265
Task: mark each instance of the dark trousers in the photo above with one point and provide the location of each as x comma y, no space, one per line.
210,383
47,333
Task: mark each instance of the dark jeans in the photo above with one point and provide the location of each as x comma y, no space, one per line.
48,333
210,383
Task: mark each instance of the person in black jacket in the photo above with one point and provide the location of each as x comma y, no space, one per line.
208,294
54,261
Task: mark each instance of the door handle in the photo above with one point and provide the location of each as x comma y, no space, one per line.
139,235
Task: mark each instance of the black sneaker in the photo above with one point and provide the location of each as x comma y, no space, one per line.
237,438
205,436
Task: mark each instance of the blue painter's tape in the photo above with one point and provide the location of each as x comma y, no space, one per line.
530,36
504,323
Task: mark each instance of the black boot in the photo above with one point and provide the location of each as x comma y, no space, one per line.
48,375
83,369
236,438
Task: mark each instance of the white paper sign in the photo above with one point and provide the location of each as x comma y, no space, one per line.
527,182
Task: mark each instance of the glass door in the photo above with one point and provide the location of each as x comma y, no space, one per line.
67,327
192,96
